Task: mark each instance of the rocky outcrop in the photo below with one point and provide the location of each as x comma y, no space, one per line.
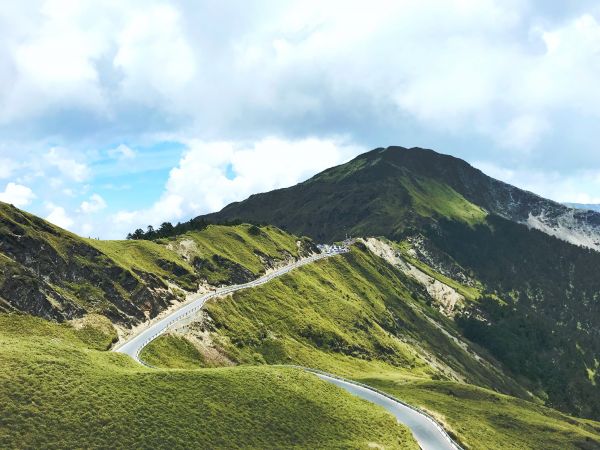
446,297
54,274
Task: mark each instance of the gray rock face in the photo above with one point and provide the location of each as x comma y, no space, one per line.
53,274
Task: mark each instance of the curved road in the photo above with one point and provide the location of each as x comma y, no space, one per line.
428,433
134,345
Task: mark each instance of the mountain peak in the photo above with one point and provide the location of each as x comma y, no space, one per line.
390,190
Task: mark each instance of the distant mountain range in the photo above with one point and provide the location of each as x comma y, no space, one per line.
584,206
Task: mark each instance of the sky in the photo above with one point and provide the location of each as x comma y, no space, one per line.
119,114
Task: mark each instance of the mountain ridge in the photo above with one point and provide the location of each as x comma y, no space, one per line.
389,168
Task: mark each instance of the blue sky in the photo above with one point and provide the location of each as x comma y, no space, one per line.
116,114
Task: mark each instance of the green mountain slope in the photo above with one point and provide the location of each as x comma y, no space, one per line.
49,272
390,190
60,390
539,312
358,317
371,195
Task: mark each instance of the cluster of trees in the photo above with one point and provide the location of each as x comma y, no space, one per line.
167,229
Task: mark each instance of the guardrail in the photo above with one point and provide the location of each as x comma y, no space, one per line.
218,293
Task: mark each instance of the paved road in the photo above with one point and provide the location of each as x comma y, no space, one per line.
134,345
428,434
426,431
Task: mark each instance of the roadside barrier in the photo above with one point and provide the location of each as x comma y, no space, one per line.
187,311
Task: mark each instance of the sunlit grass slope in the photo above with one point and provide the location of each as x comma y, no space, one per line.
486,420
212,253
352,315
356,317
59,390
49,272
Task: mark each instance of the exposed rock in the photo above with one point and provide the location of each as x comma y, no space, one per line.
448,299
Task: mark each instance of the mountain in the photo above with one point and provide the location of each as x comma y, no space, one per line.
584,206
52,273
450,298
537,309
388,190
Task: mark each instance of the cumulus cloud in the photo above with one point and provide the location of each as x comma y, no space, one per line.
17,194
94,204
213,174
58,216
68,167
336,67
505,82
122,152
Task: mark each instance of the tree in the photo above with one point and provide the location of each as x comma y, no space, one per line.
166,229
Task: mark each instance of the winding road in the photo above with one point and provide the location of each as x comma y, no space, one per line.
427,432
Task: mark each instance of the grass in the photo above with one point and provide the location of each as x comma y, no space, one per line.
58,391
245,245
184,259
172,351
341,315
482,419
430,198
53,273
353,315
149,257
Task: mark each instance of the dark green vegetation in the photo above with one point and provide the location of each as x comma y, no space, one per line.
372,195
59,390
389,192
539,315
358,317
49,272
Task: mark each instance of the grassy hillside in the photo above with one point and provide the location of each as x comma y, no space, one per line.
49,272
485,420
371,195
538,307
352,315
357,317
59,390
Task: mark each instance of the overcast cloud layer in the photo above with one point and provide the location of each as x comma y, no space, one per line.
119,114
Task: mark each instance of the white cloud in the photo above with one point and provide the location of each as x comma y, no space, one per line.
17,194
94,204
153,54
58,216
557,186
213,174
523,132
122,152
68,167
7,166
